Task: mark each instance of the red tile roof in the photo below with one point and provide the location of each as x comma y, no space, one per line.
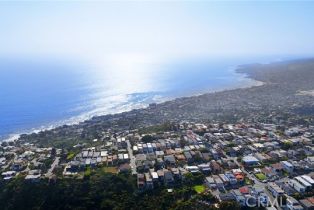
244,190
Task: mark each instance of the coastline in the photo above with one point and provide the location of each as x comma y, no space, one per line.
75,120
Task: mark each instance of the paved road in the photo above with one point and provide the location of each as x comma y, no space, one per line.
53,165
132,158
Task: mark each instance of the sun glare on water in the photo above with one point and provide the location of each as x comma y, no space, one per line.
129,73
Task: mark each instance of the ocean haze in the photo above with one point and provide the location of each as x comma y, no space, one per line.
39,94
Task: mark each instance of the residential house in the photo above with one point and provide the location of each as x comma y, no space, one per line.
170,160
275,190
288,167
149,181
210,182
168,178
250,160
308,203
140,181
293,204
297,186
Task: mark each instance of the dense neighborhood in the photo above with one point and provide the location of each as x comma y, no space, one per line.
251,164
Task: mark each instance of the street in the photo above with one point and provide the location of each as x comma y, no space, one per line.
53,165
132,158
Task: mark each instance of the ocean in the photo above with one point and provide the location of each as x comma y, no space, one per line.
38,94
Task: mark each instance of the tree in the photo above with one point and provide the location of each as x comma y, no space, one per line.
229,205
194,179
287,145
147,138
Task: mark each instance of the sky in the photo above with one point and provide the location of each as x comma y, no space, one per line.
148,30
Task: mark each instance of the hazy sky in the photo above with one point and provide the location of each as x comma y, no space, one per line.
96,29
